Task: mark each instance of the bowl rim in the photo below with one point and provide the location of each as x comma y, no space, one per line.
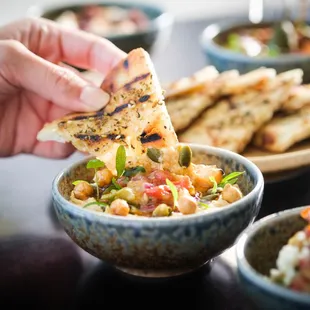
163,20
162,221
207,43
254,276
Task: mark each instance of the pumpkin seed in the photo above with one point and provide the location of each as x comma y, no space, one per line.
154,154
185,156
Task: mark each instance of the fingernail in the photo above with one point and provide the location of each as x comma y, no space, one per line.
94,97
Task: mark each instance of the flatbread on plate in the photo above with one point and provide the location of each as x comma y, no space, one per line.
135,117
232,122
183,110
283,131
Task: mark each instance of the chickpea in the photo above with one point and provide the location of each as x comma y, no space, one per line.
231,193
200,176
83,190
119,207
162,210
126,193
186,203
103,176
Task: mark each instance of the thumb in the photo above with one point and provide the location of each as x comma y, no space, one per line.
54,83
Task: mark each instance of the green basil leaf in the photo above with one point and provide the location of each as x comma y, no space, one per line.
231,178
95,164
120,160
214,188
130,172
174,191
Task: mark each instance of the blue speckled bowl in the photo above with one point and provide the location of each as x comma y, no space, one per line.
257,250
224,59
161,247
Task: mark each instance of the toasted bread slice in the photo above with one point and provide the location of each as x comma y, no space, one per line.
190,83
232,122
184,109
283,131
299,97
135,117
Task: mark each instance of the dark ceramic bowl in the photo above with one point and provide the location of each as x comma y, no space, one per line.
257,250
155,37
224,59
161,247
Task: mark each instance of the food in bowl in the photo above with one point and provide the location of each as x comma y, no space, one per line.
147,190
105,20
293,261
270,40
140,167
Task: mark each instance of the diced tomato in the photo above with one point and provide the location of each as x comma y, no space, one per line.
158,177
305,214
161,192
183,182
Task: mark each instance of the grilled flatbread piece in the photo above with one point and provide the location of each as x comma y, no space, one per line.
191,83
256,79
232,122
184,109
299,97
284,131
135,117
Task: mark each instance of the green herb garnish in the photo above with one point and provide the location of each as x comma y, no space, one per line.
231,178
174,191
203,205
95,164
115,184
130,172
214,188
101,204
120,160
76,182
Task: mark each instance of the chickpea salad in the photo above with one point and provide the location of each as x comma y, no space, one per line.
293,261
152,190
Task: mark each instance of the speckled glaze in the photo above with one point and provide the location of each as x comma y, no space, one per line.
224,59
257,250
160,247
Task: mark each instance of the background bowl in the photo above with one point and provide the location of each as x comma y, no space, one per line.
154,38
161,247
257,250
224,59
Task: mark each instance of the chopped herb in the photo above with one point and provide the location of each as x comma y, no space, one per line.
95,164
120,160
130,172
174,191
115,184
100,204
231,178
78,182
203,205
214,188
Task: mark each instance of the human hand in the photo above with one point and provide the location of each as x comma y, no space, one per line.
35,88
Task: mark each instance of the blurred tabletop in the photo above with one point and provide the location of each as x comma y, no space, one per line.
40,266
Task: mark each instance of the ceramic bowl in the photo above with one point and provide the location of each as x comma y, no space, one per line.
257,250
161,247
224,59
155,37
